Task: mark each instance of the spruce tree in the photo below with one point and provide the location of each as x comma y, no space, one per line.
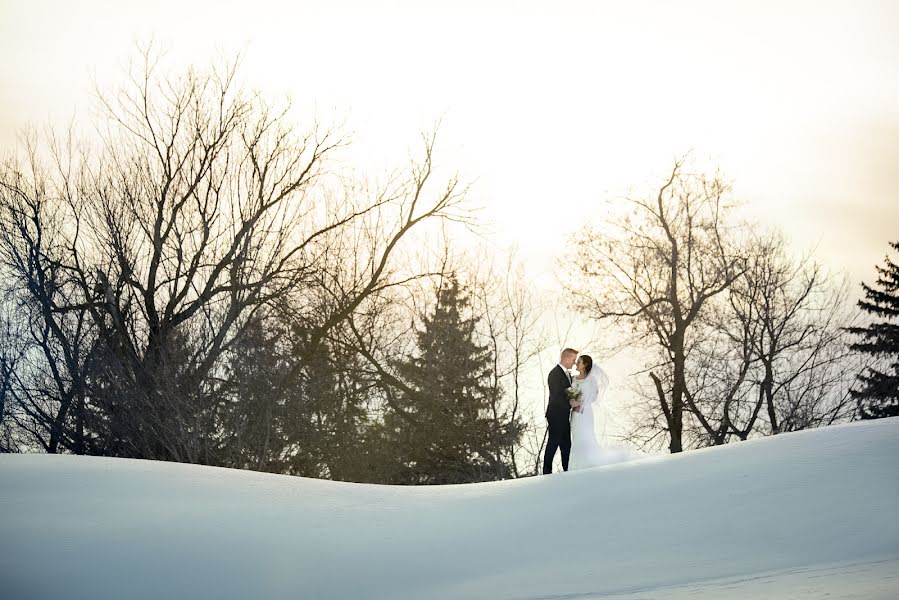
879,393
448,393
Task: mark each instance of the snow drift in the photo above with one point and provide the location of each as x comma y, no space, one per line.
790,516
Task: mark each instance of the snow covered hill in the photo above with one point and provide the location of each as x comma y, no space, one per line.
794,516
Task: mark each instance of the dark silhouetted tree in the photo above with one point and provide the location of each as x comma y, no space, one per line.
441,424
656,271
878,395
135,261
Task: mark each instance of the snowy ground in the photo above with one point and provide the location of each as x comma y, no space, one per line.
804,515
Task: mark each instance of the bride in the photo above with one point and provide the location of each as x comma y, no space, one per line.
585,450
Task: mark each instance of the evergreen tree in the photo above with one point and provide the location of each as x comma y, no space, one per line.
292,413
879,395
448,394
252,421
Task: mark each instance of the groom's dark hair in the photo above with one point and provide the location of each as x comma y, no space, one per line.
588,362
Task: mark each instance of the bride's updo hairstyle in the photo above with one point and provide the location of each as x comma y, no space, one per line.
588,363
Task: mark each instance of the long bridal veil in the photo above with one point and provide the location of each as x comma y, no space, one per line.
602,382
586,451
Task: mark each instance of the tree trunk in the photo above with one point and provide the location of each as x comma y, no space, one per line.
79,424
676,422
768,391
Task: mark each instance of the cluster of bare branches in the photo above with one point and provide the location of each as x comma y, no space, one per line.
511,318
134,272
207,285
742,339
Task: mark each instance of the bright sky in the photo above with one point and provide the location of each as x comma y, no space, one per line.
553,108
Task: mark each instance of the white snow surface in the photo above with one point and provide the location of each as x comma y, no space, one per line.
803,515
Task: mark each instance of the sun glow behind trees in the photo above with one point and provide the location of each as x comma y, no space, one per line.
551,109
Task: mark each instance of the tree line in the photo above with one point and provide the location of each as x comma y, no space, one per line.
206,285
740,337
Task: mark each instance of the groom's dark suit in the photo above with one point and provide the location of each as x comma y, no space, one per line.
558,412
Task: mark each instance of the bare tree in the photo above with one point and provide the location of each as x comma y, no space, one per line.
796,315
140,266
656,271
48,335
742,340
511,319
774,355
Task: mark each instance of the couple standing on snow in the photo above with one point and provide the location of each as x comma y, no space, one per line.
569,412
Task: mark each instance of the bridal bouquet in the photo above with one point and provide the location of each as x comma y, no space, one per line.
574,392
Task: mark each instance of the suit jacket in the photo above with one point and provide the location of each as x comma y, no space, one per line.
558,408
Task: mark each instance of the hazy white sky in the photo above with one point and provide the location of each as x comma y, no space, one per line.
553,107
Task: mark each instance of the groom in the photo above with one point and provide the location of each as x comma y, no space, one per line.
558,411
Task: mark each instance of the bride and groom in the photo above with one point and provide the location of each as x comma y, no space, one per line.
569,412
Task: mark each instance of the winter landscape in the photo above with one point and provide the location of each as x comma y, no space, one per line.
803,515
392,299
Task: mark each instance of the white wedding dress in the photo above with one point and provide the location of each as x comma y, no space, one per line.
585,450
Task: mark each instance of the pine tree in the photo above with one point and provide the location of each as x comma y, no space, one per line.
448,395
879,395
